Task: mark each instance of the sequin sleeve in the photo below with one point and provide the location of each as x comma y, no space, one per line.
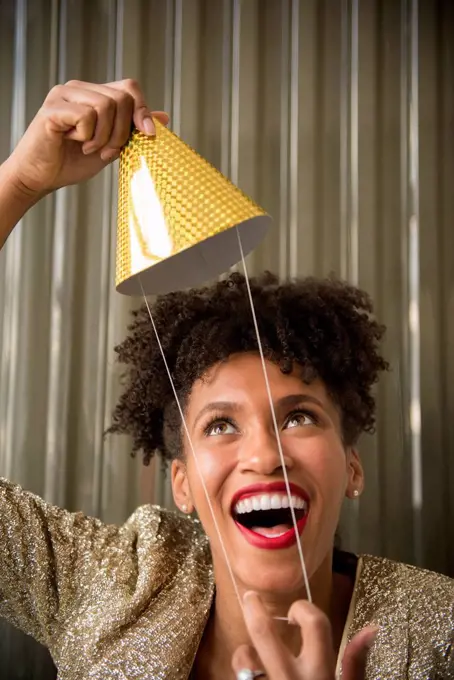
414,609
43,556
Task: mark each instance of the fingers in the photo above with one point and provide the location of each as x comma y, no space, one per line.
355,655
277,660
317,658
141,114
109,111
114,136
162,116
78,119
246,657
105,110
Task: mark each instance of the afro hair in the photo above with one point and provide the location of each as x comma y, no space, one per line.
323,325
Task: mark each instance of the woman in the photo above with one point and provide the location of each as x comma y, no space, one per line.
155,598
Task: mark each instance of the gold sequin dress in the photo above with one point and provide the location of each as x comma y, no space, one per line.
132,602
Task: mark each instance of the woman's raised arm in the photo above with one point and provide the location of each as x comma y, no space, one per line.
79,129
44,551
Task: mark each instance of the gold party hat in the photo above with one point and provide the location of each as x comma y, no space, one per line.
177,217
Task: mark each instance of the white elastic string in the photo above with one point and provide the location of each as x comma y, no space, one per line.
186,429
276,428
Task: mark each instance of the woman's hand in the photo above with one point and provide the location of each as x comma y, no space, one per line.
80,128
316,660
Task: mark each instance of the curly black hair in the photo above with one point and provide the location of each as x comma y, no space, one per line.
323,325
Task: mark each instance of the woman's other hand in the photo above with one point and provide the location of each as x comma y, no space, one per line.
316,660
80,128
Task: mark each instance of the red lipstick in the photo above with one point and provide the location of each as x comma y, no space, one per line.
278,542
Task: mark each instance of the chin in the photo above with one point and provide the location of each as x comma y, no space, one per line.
281,578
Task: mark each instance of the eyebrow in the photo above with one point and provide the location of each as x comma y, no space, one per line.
285,402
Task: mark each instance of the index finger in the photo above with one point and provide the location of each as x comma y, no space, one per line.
317,653
276,658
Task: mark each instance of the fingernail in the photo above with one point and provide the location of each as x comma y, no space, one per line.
109,155
88,148
372,637
148,126
250,596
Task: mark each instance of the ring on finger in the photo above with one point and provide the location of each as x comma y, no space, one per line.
247,674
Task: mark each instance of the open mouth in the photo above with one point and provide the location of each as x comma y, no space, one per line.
264,515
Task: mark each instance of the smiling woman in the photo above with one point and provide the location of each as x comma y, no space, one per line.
228,414
164,596
321,347
244,462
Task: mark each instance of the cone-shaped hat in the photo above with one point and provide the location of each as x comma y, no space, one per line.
177,216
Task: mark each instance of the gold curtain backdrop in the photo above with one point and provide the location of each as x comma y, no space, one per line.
335,115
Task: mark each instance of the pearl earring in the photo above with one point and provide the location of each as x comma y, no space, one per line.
184,508
356,493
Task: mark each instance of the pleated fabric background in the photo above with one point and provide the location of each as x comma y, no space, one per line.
338,117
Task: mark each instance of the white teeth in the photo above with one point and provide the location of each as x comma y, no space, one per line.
274,501
247,505
256,503
297,503
265,503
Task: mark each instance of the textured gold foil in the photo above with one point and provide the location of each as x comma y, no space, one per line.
170,199
132,602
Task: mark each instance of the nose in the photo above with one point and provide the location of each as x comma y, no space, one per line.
259,453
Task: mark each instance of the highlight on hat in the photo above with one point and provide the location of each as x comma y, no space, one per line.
177,217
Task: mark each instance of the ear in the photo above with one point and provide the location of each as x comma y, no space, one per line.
180,487
355,474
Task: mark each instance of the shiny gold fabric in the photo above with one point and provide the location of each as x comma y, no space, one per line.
132,602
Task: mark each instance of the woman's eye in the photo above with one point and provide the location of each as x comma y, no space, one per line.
220,427
300,419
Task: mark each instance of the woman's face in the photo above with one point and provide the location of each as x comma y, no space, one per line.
231,427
